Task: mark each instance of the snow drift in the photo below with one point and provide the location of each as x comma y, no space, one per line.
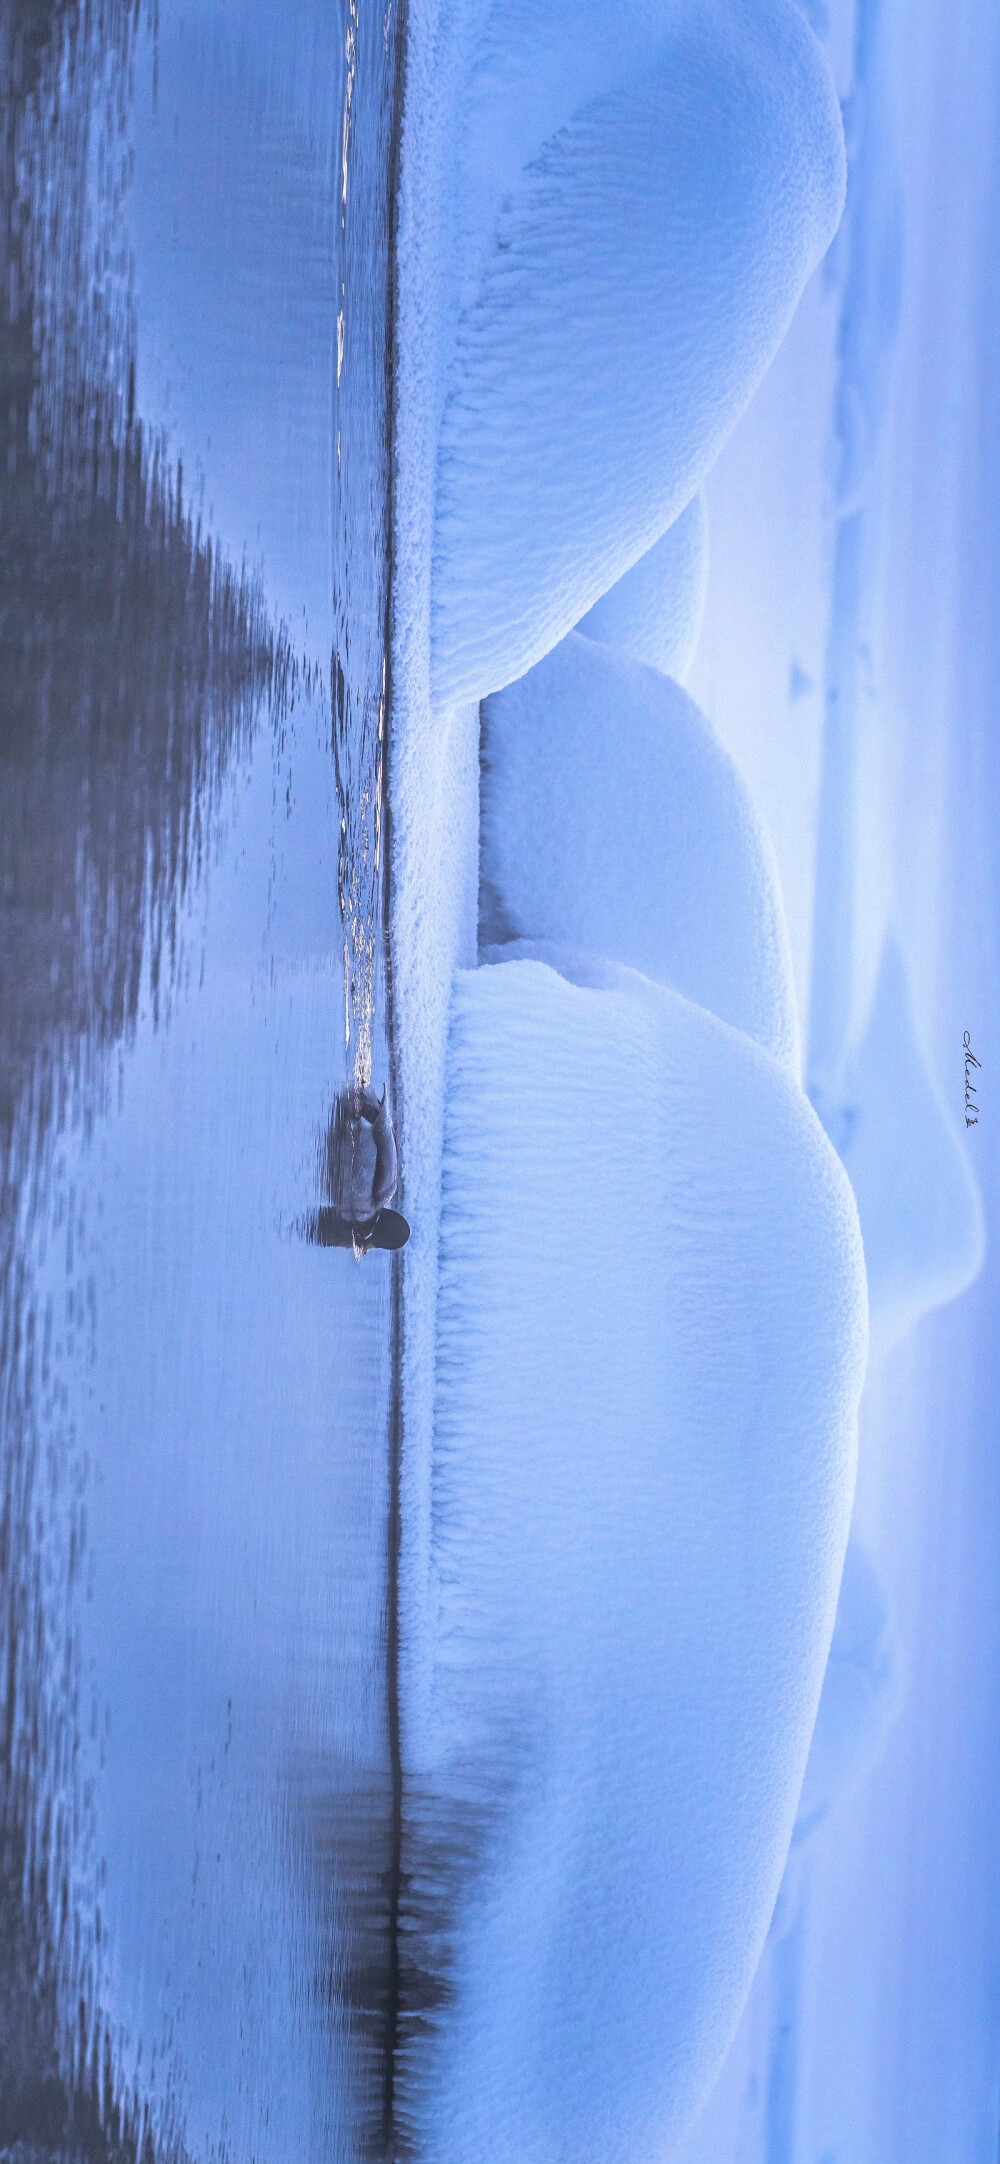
861,1690
613,821
650,1348
638,277
654,613
921,1216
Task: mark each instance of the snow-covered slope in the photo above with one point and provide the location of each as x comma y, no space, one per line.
651,1337
613,821
654,612
606,214
642,270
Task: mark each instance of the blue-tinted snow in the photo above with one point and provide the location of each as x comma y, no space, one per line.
487,91
491,567
905,1152
654,612
593,763
651,1340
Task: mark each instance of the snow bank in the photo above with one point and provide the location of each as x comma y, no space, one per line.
921,1216
654,613
861,1690
659,284
650,1349
640,273
613,821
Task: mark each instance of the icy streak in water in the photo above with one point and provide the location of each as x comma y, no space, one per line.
358,666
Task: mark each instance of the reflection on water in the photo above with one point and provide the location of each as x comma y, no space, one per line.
135,667
197,1801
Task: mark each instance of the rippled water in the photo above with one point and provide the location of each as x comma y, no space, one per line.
197,1795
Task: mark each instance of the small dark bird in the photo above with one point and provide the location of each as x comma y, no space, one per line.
361,1178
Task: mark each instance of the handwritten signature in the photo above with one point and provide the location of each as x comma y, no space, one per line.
971,1095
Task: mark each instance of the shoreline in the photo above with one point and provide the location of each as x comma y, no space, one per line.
432,798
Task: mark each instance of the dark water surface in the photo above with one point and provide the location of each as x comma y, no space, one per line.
197,1800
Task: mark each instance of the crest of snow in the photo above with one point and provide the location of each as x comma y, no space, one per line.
613,821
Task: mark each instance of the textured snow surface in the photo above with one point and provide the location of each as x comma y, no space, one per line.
613,821
654,613
641,270
921,1216
665,173
651,1340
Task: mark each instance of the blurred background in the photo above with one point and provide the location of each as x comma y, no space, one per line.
849,659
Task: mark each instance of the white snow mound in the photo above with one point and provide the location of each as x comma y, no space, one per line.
613,821
638,277
654,613
651,1340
